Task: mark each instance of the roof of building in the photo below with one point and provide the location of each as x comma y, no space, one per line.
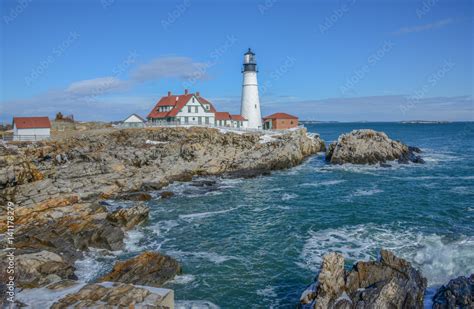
280,116
238,117
223,116
138,116
31,122
177,102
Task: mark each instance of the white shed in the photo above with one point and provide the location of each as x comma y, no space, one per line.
31,128
133,121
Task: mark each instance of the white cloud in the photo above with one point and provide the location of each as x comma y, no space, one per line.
425,27
170,67
96,86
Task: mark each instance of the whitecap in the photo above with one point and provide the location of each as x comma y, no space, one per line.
93,264
195,304
369,192
288,196
440,259
268,292
132,240
200,215
210,256
323,183
183,279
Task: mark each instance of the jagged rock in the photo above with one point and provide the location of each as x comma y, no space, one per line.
458,293
129,217
38,269
136,196
117,295
166,194
390,282
370,147
149,268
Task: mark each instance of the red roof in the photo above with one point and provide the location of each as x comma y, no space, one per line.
237,117
177,102
223,116
280,116
31,122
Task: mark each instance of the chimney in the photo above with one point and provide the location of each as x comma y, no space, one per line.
169,93
185,91
197,94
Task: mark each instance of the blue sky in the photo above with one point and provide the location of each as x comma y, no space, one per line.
348,60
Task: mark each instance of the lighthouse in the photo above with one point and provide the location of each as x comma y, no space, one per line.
250,104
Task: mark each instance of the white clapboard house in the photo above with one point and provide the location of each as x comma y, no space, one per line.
133,121
191,109
31,128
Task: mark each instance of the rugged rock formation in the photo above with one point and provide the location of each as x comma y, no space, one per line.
370,147
149,268
390,282
59,188
458,293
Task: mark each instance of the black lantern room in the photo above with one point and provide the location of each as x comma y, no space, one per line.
250,62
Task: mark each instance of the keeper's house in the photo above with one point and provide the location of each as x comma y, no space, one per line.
191,109
280,121
31,128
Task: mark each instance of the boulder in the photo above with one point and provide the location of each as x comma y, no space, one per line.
370,147
136,196
149,268
390,282
166,194
458,293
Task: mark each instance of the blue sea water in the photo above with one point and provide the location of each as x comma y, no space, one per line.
256,243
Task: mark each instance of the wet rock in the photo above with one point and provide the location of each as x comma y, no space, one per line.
166,194
370,147
458,293
390,282
129,217
117,295
149,268
136,196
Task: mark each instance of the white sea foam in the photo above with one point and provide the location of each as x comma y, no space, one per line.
195,304
462,190
210,256
288,196
132,240
323,183
362,192
200,215
268,292
163,227
439,258
183,279
93,263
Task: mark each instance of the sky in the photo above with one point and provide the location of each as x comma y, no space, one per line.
324,60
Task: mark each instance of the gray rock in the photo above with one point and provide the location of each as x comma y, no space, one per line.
458,293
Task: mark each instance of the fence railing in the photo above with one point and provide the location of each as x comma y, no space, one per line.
25,138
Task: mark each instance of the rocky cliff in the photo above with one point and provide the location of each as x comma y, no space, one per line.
57,188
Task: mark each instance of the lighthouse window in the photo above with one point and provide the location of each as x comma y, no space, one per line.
255,106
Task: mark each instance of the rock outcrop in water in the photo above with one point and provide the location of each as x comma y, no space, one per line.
370,147
458,293
390,282
149,268
58,187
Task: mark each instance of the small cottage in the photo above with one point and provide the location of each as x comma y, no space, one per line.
133,121
280,121
31,128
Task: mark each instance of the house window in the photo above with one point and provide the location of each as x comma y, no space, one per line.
189,109
196,109
193,99
194,119
206,120
186,119
291,122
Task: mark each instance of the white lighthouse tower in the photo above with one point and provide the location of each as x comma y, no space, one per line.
250,105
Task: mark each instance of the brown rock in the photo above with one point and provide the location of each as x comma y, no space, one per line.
166,194
149,268
129,217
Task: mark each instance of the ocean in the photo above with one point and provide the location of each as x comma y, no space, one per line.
257,243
